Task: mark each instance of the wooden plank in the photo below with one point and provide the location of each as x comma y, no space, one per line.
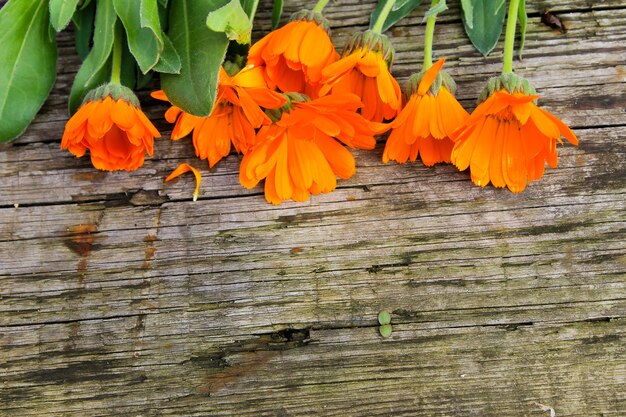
486,370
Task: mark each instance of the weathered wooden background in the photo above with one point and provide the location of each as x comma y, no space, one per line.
121,296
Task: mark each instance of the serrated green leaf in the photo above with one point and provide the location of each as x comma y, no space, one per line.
149,18
399,10
61,12
487,26
436,9
96,68
202,52
277,12
27,64
250,6
522,19
468,12
169,62
233,21
142,42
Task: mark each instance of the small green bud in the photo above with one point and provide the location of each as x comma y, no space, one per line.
385,330
384,317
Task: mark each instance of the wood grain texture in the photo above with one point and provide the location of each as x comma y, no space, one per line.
121,296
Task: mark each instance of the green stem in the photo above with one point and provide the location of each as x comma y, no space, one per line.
320,5
380,21
428,38
116,67
509,39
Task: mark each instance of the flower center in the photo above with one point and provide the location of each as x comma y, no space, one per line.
506,114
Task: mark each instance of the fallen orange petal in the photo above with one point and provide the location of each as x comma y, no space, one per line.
181,169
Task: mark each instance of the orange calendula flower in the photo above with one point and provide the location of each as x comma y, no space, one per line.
426,122
294,55
364,70
180,170
508,139
237,112
301,154
112,126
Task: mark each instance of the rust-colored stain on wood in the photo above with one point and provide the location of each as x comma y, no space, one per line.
81,238
149,251
90,176
248,364
150,238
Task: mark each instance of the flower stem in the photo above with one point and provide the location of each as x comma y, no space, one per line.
320,5
380,21
116,66
428,38
509,39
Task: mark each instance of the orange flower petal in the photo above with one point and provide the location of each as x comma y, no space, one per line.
339,158
495,162
270,188
123,115
544,123
463,149
159,95
100,121
481,155
429,76
514,160
249,77
181,169
564,130
300,168
251,109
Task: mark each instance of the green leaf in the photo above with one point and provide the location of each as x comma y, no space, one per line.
144,79
399,10
436,9
233,21
163,18
169,62
149,18
277,11
522,19
142,42
499,6
96,68
128,72
27,64
61,12
83,29
487,26
250,6
468,12
201,51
